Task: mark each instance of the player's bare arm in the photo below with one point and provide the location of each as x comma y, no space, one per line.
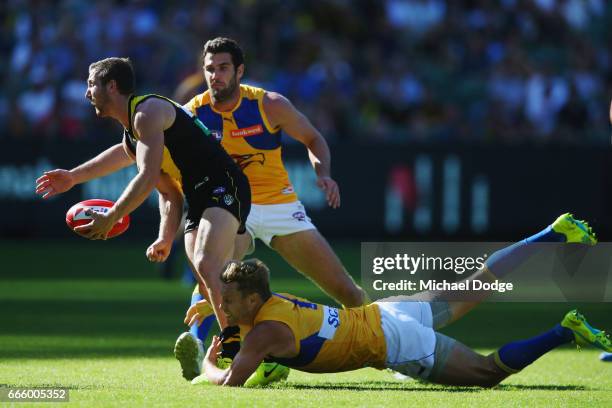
58,181
150,121
282,114
264,339
170,213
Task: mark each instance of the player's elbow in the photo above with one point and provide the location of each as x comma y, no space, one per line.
170,196
314,141
149,179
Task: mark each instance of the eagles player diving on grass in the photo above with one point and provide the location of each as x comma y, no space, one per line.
401,336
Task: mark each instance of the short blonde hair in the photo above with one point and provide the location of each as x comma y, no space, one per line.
251,275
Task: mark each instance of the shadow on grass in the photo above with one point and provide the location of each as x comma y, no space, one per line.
89,353
420,386
376,386
543,387
57,385
86,329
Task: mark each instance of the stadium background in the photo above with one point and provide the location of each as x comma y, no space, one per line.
447,120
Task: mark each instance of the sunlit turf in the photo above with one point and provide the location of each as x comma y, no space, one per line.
109,340
563,378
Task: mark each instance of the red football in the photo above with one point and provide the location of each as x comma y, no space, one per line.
76,215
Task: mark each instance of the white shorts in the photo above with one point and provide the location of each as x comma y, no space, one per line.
267,221
410,338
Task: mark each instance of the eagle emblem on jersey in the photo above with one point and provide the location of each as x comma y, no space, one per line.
245,160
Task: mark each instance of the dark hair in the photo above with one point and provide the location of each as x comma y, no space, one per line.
118,69
222,44
252,276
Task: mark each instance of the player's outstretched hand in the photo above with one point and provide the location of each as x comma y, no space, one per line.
159,250
214,350
193,315
99,227
54,182
331,189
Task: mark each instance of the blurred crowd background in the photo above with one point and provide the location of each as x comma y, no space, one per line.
398,71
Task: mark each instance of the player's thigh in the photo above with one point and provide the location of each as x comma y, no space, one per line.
309,252
215,238
190,242
457,364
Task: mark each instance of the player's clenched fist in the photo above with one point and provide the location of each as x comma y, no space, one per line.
159,250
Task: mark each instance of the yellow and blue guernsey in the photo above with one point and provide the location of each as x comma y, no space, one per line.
249,138
327,339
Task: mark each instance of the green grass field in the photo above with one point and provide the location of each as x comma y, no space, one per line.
95,317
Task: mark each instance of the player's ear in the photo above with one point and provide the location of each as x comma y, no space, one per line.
239,71
252,298
111,85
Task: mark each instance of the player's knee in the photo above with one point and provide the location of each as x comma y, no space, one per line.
352,296
208,266
357,297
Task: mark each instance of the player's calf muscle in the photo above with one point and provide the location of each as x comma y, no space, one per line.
465,367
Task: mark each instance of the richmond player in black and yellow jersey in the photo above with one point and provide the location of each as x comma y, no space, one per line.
175,153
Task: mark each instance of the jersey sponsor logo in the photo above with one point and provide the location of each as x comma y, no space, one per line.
299,215
330,323
288,190
219,190
201,183
245,160
228,199
248,131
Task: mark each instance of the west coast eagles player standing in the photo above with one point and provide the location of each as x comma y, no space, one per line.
249,121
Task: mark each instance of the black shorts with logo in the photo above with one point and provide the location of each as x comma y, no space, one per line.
228,189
